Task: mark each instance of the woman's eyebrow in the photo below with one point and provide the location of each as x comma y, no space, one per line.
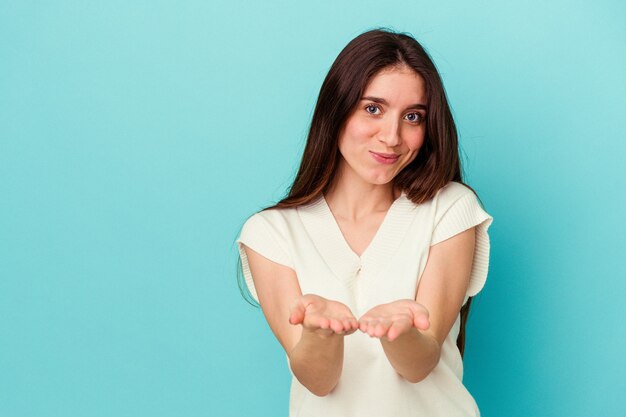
383,101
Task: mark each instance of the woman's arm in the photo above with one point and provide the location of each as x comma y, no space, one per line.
412,332
310,328
318,357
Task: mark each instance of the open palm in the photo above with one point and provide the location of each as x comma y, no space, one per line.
323,316
393,319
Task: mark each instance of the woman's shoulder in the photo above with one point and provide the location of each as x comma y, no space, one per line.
275,214
290,214
445,196
451,192
275,218
454,188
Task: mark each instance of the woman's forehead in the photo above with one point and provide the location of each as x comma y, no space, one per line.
401,84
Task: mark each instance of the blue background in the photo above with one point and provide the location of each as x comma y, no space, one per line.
136,137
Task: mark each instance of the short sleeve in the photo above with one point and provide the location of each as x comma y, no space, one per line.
459,215
259,235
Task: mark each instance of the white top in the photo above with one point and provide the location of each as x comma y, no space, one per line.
309,240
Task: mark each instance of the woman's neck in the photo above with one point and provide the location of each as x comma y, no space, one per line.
352,198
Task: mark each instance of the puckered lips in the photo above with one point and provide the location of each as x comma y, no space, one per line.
384,158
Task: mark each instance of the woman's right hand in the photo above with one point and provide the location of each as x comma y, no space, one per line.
322,316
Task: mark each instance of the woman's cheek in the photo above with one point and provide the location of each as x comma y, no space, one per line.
361,129
416,141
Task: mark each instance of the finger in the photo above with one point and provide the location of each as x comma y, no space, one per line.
398,328
323,323
363,325
336,326
381,328
354,324
371,327
422,322
347,325
296,313
420,316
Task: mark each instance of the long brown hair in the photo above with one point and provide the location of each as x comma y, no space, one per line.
437,161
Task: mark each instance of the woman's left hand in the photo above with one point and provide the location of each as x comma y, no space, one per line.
394,319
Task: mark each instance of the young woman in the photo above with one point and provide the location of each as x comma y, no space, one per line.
365,271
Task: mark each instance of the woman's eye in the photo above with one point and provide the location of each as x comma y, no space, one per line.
370,108
415,117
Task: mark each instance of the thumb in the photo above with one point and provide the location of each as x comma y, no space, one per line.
421,321
421,318
296,312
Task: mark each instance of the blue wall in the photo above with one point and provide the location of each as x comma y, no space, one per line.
136,137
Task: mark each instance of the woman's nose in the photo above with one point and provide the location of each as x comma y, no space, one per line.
390,132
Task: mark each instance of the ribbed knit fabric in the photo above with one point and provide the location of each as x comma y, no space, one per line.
309,240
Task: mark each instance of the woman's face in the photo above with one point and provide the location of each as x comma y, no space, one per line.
386,130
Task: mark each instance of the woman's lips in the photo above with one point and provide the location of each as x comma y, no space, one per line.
385,158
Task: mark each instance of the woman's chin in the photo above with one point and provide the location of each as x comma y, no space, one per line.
379,179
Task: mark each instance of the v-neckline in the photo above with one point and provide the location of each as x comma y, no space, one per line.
379,231
326,236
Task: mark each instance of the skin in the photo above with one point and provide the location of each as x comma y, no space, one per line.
392,128
411,331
